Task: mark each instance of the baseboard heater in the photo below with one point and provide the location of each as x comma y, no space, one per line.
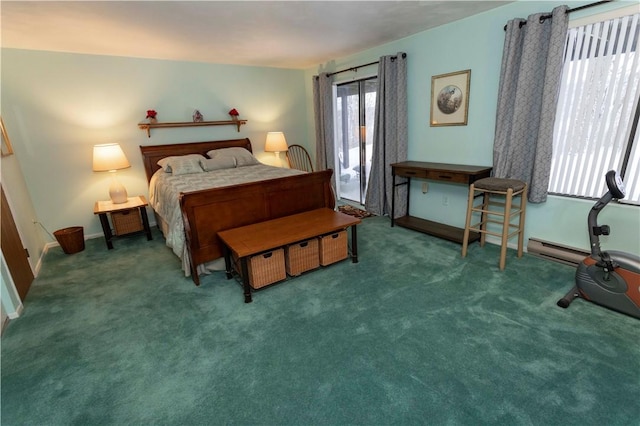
556,252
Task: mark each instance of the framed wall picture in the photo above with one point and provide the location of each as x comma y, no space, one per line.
7,149
450,98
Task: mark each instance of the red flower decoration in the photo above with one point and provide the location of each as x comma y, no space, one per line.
151,113
234,112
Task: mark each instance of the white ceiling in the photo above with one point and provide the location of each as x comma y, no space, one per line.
284,34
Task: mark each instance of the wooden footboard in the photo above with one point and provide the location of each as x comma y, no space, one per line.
207,212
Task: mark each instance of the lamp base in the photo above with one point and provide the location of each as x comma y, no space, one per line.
278,161
117,192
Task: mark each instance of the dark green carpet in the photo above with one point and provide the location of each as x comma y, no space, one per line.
413,334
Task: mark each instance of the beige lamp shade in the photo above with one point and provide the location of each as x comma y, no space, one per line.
108,157
276,142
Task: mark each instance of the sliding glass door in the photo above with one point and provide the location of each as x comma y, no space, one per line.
355,108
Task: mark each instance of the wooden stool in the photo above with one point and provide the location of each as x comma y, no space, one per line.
500,188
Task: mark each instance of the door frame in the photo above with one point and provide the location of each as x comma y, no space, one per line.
11,303
10,291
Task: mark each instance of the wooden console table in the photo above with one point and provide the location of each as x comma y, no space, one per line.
455,173
260,237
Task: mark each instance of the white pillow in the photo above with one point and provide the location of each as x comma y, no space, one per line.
243,157
182,164
211,164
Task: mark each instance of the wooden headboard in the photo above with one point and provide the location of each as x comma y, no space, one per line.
151,154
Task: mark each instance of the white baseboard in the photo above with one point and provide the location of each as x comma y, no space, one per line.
17,313
52,244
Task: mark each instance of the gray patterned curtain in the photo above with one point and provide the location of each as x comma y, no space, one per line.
390,137
323,108
527,98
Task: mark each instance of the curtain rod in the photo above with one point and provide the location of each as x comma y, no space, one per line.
404,55
575,9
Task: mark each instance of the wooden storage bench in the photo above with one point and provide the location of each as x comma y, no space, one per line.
250,240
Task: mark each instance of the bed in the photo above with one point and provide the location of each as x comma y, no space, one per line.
190,215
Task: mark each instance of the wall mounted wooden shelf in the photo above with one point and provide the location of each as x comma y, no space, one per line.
149,126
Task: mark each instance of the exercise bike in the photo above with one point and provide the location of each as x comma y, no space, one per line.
607,278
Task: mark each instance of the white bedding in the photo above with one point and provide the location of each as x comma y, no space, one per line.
165,188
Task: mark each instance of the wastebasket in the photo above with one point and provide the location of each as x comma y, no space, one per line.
71,239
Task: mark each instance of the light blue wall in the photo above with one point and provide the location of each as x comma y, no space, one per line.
58,105
476,43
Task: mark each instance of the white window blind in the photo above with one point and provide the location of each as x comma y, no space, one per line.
599,95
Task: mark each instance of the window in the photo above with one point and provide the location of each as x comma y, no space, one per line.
597,115
355,116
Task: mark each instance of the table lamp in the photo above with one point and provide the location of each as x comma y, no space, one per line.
277,143
109,158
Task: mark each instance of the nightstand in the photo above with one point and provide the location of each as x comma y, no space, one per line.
127,218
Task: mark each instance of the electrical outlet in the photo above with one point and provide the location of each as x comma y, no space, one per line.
445,200
425,187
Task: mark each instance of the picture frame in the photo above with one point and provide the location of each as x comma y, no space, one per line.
450,98
6,148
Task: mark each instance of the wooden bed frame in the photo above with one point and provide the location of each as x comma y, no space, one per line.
209,211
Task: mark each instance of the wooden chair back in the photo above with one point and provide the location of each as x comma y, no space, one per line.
299,159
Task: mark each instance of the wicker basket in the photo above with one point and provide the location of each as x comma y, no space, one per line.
302,257
126,222
265,268
333,248
70,239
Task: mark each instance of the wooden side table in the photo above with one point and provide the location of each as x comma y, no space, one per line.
133,204
455,173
